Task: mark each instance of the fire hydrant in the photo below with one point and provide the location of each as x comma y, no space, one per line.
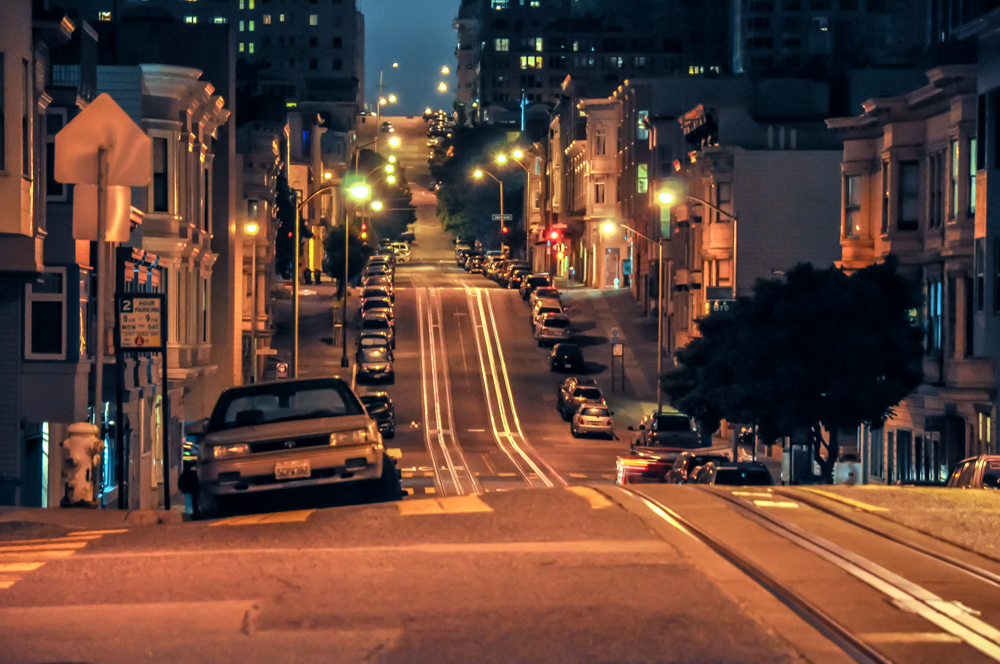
81,453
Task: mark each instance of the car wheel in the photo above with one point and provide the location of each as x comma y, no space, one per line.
573,432
567,416
208,506
387,487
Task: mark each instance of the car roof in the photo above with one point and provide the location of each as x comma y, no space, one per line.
554,316
583,381
375,314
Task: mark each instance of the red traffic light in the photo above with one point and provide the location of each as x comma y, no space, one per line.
364,227
504,229
553,234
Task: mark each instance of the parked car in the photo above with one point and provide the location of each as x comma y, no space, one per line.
544,293
741,473
668,429
380,322
981,472
503,276
543,308
566,356
592,418
377,269
370,304
475,264
687,461
279,436
552,328
573,392
515,277
375,363
374,338
378,290
381,409
402,251
532,282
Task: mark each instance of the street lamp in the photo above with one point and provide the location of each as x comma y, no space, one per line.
394,142
251,228
478,174
442,87
445,70
378,106
609,227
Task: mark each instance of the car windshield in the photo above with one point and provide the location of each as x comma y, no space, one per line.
559,323
672,423
743,477
377,409
569,352
374,354
376,303
991,475
538,281
372,292
589,393
546,292
266,403
375,324
595,412
548,310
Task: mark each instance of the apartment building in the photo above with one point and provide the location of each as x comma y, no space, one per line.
909,188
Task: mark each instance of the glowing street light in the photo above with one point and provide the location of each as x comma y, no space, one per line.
389,168
445,70
360,191
391,179
394,142
251,228
442,87
392,99
377,205
665,198
517,154
392,159
501,159
609,227
478,174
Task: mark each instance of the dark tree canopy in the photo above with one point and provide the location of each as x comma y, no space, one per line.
819,348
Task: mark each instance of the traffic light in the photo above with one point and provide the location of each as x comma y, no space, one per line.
504,229
554,235
364,231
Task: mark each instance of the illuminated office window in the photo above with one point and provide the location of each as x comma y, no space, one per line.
313,19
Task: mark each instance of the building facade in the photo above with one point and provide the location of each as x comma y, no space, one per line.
909,188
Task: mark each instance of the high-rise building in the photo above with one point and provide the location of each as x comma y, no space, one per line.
297,49
527,50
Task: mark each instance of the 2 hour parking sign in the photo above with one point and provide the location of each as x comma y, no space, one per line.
140,322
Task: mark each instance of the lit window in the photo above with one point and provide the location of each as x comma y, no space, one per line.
219,19
45,316
242,26
251,3
103,16
313,19
501,44
973,167
242,47
852,206
642,133
642,181
190,19
242,4
531,62
250,26
281,18
267,19
536,3
250,47
538,43
576,46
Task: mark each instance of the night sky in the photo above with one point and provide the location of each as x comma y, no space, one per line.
418,35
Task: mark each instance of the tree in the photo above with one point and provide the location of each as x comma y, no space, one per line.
820,349
333,255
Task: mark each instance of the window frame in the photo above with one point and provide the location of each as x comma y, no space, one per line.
904,196
30,297
850,208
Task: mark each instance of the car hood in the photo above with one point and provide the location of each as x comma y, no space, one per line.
291,429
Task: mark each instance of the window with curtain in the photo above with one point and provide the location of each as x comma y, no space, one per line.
852,205
642,179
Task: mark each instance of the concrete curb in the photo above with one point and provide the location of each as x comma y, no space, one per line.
90,519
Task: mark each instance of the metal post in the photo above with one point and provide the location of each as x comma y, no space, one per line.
123,455
659,333
343,301
166,407
501,199
102,259
253,311
295,287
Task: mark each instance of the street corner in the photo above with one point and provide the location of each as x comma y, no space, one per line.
14,531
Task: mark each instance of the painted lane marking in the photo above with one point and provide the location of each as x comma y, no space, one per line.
405,474
598,501
753,493
296,516
848,501
43,547
452,505
909,637
19,567
578,476
430,490
99,532
775,503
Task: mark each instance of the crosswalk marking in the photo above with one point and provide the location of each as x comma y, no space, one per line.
452,505
253,519
597,500
21,557
578,476
429,489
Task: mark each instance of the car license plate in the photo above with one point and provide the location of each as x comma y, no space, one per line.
291,469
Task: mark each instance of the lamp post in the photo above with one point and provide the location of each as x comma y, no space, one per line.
378,105
515,156
479,173
359,192
251,228
610,227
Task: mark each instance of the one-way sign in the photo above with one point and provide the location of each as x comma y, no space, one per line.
503,217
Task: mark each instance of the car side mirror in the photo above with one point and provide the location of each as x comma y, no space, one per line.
196,428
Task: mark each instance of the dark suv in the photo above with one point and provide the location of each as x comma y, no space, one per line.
573,392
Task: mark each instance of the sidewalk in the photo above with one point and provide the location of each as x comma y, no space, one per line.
86,519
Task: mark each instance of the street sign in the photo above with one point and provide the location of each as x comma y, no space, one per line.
711,306
503,217
267,351
140,322
281,370
617,350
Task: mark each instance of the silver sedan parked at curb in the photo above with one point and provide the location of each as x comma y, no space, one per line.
592,417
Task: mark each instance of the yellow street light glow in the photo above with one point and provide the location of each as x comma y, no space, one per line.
376,205
395,64
394,142
392,159
251,228
501,159
359,191
665,198
428,110
392,99
391,179
327,175
445,70
382,101
609,227
478,174
389,168
517,154
443,87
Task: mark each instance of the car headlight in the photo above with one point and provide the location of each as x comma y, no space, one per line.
219,451
356,437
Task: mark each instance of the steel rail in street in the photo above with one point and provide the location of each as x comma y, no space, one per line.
824,623
958,621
